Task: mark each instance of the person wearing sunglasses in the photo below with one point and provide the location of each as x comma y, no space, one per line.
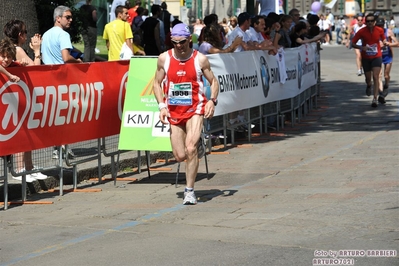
56,42
180,93
371,54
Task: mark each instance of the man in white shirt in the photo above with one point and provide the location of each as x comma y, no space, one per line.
258,26
244,22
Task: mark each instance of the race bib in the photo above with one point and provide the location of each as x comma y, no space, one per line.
180,94
371,49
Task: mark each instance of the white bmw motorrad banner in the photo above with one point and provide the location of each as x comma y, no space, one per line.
252,78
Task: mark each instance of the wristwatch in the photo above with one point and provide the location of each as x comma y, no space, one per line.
215,101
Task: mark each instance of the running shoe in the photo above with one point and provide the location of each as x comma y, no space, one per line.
201,147
381,99
359,72
385,91
189,198
368,90
374,103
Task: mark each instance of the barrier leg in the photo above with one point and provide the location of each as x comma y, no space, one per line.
113,172
148,159
75,176
100,174
139,162
61,181
5,184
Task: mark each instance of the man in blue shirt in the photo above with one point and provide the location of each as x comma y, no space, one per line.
56,42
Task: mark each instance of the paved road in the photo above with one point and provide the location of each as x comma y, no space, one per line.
328,184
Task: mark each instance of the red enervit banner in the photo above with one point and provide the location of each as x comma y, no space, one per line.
60,104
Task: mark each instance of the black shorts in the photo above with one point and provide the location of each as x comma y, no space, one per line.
369,64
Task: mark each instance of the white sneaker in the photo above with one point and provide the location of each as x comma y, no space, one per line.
39,176
189,198
29,178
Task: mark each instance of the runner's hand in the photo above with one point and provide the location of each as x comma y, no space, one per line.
209,110
163,114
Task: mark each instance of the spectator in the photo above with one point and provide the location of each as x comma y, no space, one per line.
16,31
225,27
211,43
56,47
330,18
133,12
266,6
325,25
198,25
233,22
145,14
255,33
7,54
340,28
299,32
276,24
294,13
244,22
138,20
166,18
118,32
282,37
151,32
56,42
89,33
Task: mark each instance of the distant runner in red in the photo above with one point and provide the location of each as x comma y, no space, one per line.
371,53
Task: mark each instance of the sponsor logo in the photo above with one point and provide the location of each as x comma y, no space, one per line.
235,81
264,76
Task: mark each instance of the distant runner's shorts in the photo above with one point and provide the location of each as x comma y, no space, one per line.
369,64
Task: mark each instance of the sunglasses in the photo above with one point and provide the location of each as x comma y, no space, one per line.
179,42
68,17
370,21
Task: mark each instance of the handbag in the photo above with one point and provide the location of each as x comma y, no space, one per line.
126,52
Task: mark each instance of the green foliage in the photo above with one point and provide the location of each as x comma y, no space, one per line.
45,10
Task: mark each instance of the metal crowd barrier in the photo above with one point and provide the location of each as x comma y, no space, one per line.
85,151
42,160
81,152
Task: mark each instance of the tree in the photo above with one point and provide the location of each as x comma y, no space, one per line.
19,9
45,10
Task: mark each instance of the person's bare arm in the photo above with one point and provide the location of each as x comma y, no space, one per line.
158,91
94,15
10,76
208,74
